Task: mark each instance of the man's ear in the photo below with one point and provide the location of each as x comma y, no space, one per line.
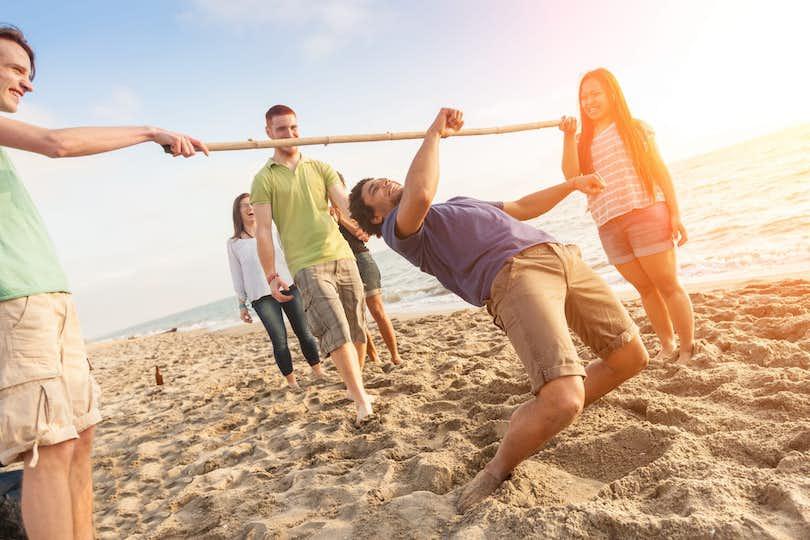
267,130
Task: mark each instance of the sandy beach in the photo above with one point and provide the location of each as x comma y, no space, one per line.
719,449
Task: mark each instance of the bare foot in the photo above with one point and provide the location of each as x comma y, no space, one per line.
364,411
295,387
666,352
317,372
685,355
396,360
479,488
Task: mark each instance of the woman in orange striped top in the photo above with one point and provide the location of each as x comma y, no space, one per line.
637,213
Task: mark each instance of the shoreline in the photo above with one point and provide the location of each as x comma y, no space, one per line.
625,294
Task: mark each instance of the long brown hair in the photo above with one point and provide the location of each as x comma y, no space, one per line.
238,224
630,130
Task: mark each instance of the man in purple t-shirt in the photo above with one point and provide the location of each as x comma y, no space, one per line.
534,287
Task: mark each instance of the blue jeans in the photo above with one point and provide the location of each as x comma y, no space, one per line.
269,311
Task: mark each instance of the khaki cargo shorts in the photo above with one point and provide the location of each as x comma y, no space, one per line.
47,392
334,302
539,294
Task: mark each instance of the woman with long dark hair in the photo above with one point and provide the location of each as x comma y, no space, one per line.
637,213
251,286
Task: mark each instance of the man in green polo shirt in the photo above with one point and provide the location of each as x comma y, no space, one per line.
49,401
295,191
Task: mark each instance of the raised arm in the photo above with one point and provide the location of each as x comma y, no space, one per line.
540,202
570,159
83,141
423,175
267,251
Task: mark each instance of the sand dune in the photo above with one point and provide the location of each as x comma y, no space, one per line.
720,449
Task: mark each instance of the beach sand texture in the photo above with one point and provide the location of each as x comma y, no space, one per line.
720,449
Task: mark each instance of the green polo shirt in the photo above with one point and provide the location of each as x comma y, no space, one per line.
28,262
300,205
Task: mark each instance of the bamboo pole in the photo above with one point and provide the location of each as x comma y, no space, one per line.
250,144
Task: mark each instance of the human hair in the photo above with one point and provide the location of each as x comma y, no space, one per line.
361,212
277,110
630,130
238,224
9,32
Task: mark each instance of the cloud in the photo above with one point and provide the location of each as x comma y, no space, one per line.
123,105
324,25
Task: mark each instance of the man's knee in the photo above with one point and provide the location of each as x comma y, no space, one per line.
566,397
631,358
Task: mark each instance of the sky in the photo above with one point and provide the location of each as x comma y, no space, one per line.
142,235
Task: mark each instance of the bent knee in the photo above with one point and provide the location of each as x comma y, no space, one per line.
632,357
570,407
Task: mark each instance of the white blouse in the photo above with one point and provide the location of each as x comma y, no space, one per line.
249,282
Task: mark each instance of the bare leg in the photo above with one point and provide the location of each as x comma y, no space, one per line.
81,486
361,353
375,306
346,362
556,405
663,271
606,375
46,494
372,350
653,304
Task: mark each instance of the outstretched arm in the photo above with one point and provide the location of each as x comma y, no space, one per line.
83,141
423,175
540,202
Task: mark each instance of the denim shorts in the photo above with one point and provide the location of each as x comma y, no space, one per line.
369,273
638,233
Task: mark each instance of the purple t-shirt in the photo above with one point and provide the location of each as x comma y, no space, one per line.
464,243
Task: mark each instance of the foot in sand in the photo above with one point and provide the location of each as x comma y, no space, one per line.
685,354
364,410
666,352
479,488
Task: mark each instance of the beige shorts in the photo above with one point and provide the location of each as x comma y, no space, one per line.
543,291
47,393
334,302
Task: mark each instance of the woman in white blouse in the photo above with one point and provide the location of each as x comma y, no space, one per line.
251,286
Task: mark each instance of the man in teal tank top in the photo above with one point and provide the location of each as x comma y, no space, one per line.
49,401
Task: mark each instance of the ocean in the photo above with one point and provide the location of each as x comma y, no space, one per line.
746,209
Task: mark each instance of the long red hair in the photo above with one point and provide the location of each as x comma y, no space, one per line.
630,130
